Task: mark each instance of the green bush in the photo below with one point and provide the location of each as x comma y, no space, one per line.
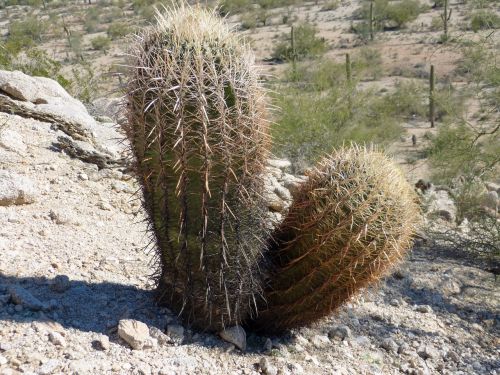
100,43
388,14
27,32
330,5
91,21
307,44
484,20
118,29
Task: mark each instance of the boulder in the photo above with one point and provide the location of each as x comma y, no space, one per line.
16,189
442,205
46,100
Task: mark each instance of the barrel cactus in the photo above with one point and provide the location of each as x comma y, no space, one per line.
197,128
349,223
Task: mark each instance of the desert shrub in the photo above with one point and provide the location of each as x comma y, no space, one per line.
403,12
409,100
484,20
91,21
26,32
369,61
330,5
118,29
307,44
240,6
322,110
100,43
388,14
84,83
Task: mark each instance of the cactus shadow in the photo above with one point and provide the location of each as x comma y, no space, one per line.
86,306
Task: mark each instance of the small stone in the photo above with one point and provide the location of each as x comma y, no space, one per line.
61,284
279,163
428,352
362,341
21,296
16,189
404,348
176,333
57,339
59,217
83,176
160,337
135,333
389,345
452,356
268,345
340,332
102,343
320,341
267,368
103,205
394,302
295,368
424,309
3,360
48,367
235,335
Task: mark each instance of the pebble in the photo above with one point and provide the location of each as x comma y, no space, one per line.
102,343
49,367
268,345
21,296
3,360
176,333
57,339
389,345
135,333
60,284
424,309
235,335
340,332
267,368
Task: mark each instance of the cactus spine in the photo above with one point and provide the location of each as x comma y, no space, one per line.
347,226
197,130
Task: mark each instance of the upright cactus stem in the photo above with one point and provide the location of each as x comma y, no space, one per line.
371,21
197,128
294,52
431,97
348,73
446,16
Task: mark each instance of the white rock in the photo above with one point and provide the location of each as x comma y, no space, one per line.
176,333
3,360
135,333
57,339
102,343
16,189
235,335
12,141
266,367
442,205
490,199
49,367
279,163
21,296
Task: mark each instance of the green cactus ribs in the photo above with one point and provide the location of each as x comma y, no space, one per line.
197,128
347,226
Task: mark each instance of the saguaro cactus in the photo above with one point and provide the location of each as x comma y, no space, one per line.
197,130
446,16
349,223
432,111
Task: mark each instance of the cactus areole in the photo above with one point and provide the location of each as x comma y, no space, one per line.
200,140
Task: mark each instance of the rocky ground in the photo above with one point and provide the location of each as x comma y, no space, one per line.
75,296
